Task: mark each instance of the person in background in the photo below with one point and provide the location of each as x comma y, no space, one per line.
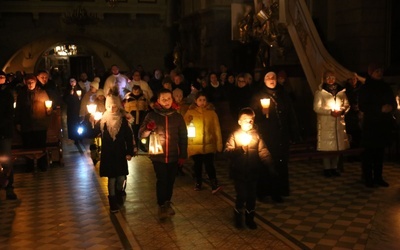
377,102
278,128
155,82
240,96
6,134
330,105
49,86
84,83
144,86
247,155
116,79
118,147
32,119
207,141
170,127
73,104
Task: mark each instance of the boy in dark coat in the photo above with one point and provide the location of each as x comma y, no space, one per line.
247,152
171,129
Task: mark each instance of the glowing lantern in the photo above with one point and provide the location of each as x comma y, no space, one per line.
155,146
191,129
79,93
244,139
91,108
48,104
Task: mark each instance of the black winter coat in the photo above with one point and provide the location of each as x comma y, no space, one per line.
172,132
376,125
6,112
113,161
245,164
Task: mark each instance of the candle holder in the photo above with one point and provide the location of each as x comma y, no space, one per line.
79,93
48,104
265,103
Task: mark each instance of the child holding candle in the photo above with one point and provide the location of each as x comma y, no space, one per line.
330,104
247,152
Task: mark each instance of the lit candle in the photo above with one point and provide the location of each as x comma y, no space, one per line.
79,93
91,108
15,104
48,104
244,139
335,107
265,102
398,102
98,116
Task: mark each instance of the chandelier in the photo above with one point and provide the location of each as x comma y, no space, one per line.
80,17
66,50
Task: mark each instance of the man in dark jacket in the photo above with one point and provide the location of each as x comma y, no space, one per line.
6,131
171,130
377,102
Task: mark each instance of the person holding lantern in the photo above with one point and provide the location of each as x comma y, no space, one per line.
247,152
167,132
331,105
206,141
277,124
32,118
118,147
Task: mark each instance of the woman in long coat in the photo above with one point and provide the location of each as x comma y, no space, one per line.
330,104
278,129
73,103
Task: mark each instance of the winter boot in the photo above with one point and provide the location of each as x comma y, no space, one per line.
250,220
120,197
162,212
112,200
238,216
170,210
214,186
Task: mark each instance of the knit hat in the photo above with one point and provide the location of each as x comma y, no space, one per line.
113,100
372,67
100,92
96,83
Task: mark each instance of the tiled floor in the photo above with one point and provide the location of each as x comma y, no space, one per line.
66,208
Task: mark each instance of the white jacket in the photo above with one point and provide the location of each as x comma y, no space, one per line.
331,130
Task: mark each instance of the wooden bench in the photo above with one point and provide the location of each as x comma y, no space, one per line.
53,150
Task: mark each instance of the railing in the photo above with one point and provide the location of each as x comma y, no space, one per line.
313,56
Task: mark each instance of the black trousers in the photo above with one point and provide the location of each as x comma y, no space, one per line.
246,194
372,163
165,174
208,160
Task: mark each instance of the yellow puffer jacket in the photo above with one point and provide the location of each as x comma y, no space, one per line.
208,131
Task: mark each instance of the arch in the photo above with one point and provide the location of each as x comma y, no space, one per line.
29,56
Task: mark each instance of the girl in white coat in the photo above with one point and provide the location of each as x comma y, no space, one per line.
330,104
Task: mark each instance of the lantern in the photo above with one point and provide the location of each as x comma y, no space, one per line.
265,102
191,129
155,146
91,108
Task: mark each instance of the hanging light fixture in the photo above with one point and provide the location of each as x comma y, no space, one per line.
66,50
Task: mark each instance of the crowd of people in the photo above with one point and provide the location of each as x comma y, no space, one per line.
132,110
